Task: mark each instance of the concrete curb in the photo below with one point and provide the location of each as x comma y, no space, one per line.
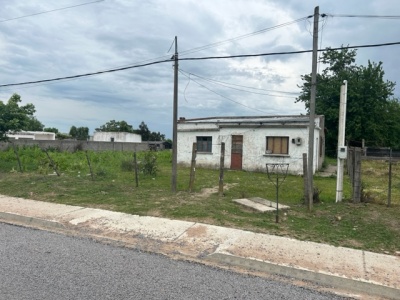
325,279
29,221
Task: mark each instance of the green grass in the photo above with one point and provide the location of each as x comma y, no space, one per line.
370,226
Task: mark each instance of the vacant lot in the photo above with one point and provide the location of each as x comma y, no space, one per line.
371,226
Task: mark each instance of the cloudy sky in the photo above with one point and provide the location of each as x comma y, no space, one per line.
117,33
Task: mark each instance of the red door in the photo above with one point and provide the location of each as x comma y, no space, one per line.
237,152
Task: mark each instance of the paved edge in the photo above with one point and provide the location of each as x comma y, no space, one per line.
29,221
231,260
325,279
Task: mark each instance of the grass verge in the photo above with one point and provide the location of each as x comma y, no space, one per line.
369,226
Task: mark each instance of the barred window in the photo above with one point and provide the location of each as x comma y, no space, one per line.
204,143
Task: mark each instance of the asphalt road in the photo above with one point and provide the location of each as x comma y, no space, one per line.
42,265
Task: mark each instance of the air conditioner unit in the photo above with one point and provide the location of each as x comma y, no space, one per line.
298,141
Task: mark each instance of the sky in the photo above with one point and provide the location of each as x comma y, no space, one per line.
77,37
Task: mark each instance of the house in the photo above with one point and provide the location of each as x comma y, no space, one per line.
250,142
124,137
32,135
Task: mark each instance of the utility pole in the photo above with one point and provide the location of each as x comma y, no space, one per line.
174,122
342,153
312,110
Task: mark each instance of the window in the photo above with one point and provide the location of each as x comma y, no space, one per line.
204,143
277,145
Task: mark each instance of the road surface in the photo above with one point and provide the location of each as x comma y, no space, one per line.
42,265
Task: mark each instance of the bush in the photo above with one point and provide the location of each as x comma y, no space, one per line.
149,164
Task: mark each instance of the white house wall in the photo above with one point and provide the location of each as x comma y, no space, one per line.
125,137
254,155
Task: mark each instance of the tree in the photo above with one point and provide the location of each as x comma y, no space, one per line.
33,124
148,135
370,106
51,129
14,117
115,126
79,133
144,131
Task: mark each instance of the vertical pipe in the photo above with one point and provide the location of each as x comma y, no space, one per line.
341,140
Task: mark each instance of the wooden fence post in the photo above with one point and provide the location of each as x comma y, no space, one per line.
90,166
305,178
17,155
135,166
390,179
52,163
350,164
193,167
357,176
221,170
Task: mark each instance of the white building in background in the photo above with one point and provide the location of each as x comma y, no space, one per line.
250,142
32,135
124,137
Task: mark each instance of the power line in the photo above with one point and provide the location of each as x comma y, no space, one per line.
193,50
87,74
223,96
229,85
288,52
49,11
196,58
361,16
186,51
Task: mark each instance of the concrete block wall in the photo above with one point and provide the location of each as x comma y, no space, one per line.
73,145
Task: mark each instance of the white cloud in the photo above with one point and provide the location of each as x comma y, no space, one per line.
116,33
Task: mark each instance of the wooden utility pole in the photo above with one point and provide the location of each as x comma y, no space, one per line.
312,111
174,122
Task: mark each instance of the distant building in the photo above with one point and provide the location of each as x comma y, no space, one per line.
32,135
123,137
251,142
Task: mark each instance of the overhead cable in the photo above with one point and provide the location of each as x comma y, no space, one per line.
223,96
49,11
230,85
196,58
361,16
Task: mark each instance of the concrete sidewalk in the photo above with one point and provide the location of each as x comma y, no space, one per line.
348,269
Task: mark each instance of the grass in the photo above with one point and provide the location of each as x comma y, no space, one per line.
369,226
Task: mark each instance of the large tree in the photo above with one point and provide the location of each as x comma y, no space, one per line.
148,135
33,124
372,112
79,133
115,126
14,117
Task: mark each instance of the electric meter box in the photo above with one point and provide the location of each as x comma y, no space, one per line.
342,152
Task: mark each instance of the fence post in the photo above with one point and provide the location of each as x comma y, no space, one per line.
221,170
350,164
193,167
17,155
390,179
136,169
357,176
305,178
90,166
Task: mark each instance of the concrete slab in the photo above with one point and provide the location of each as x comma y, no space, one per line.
34,209
260,204
268,203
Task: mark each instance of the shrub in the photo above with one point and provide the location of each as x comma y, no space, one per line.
149,164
